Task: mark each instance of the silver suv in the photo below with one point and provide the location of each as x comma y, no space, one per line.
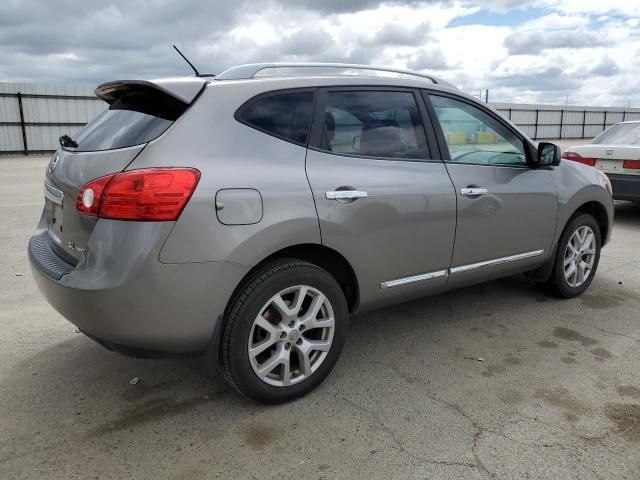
247,216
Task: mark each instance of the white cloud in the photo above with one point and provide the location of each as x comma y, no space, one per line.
542,59
633,22
596,7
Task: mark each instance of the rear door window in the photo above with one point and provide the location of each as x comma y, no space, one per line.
133,118
381,124
283,115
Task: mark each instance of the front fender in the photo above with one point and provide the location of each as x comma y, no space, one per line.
577,186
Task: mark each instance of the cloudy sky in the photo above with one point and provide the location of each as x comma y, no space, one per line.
522,50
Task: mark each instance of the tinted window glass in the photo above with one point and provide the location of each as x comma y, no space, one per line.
133,119
287,115
473,136
375,124
621,134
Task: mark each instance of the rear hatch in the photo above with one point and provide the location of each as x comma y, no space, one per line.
139,112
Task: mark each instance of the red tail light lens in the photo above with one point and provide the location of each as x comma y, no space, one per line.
574,157
635,164
152,194
89,195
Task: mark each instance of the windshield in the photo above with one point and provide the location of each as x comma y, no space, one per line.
620,134
134,118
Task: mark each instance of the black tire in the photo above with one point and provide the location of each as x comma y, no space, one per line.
557,284
251,297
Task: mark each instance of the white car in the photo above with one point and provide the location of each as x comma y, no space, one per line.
616,152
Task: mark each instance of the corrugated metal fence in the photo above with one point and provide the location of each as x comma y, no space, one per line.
565,121
33,116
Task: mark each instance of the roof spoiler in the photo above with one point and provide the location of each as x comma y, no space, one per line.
184,90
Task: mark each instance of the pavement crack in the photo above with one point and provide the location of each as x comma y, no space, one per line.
398,443
450,464
379,424
611,332
558,427
456,408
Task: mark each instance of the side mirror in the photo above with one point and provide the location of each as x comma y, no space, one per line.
548,154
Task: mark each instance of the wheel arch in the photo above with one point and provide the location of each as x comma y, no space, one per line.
331,261
594,208
598,211
324,257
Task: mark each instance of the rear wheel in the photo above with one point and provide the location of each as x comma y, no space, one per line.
576,258
284,331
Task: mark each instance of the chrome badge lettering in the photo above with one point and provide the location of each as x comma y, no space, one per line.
72,246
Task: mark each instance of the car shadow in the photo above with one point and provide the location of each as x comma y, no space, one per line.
627,214
107,392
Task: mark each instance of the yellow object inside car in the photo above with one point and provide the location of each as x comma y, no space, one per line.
456,138
486,137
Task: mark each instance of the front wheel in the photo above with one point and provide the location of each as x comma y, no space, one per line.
576,258
284,331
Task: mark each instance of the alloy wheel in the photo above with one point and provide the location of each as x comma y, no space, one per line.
579,256
291,336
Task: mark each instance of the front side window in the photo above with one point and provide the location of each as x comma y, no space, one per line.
374,124
473,136
286,115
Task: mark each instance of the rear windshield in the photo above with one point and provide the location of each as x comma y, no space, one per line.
134,118
620,134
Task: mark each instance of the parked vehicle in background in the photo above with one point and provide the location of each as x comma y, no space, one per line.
245,217
616,152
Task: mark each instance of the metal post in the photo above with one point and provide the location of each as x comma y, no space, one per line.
22,126
535,135
509,114
624,116
584,119
604,123
561,122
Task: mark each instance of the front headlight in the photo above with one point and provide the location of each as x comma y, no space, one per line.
605,182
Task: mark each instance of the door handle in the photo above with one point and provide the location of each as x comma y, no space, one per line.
345,194
473,191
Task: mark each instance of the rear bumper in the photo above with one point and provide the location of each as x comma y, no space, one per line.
625,187
120,294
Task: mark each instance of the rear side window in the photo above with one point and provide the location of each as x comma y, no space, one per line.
382,124
285,115
134,118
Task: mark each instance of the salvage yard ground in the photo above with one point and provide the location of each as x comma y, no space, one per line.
493,381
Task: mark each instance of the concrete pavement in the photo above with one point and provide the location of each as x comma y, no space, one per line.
557,395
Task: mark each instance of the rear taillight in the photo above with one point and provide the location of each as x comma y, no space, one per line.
634,164
150,194
574,157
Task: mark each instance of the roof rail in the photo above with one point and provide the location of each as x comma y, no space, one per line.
252,70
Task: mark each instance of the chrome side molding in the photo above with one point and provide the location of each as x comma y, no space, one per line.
413,279
400,282
496,261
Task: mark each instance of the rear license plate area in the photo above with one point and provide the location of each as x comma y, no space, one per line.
609,165
53,205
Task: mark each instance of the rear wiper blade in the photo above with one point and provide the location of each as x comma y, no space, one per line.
67,141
